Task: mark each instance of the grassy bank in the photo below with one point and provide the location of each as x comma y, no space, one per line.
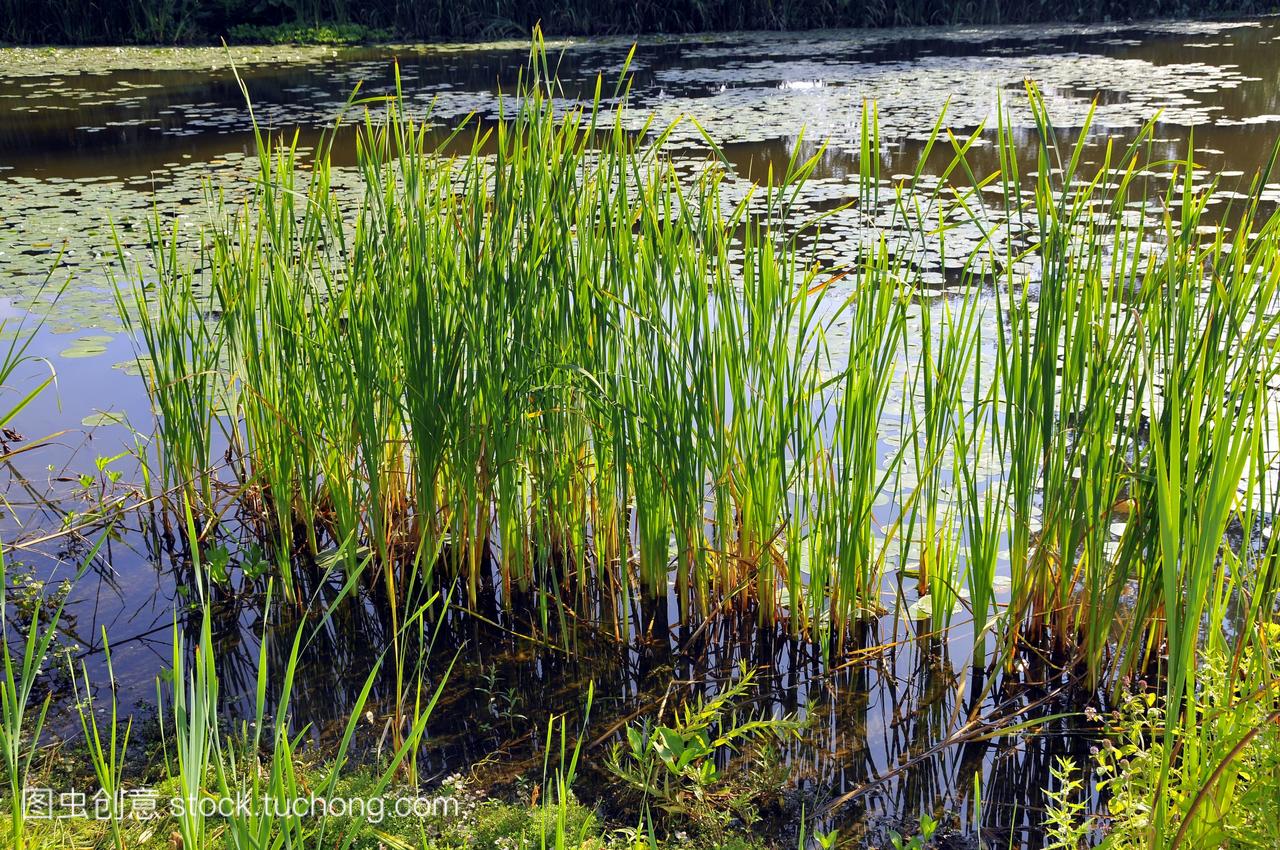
333,21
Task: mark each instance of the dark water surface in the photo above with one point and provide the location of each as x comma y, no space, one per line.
92,139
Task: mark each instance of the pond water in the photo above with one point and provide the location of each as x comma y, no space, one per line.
92,140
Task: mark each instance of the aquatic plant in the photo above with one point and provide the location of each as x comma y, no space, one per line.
559,370
1217,786
19,734
18,336
107,756
674,767
259,761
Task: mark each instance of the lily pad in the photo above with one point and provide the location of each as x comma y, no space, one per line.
85,347
102,418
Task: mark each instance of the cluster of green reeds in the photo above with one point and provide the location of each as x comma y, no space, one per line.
557,360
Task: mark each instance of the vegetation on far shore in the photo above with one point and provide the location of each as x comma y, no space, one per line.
337,22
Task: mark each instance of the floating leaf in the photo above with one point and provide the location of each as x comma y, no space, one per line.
83,349
103,418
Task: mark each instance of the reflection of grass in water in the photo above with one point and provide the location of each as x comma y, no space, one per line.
628,387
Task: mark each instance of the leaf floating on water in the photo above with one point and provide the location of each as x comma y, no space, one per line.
327,559
103,418
135,367
921,609
89,345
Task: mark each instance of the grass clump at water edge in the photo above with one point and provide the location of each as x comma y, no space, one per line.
559,366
